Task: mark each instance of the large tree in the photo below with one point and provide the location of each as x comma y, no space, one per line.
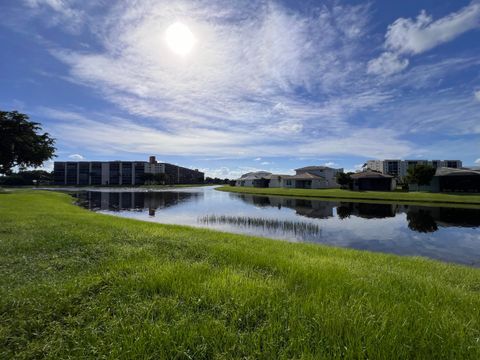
344,180
22,142
420,174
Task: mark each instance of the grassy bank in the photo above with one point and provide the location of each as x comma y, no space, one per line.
408,197
76,284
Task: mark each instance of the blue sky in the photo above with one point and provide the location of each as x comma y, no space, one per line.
270,85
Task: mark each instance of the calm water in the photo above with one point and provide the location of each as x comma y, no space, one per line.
448,234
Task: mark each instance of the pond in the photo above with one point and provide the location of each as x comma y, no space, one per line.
447,234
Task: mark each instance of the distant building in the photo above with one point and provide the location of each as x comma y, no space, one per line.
372,180
399,168
310,177
120,172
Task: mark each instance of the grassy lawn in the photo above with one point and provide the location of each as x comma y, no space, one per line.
75,284
424,197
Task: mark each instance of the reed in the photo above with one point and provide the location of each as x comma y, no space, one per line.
298,228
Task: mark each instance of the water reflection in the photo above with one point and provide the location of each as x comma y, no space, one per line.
135,201
450,234
420,218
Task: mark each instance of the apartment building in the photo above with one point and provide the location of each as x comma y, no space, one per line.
399,168
120,172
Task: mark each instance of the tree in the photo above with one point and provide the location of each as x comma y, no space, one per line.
421,221
420,174
22,142
344,180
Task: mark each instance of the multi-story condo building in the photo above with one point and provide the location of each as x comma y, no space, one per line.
121,172
399,168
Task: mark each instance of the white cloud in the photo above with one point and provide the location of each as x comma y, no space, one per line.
477,95
373,143
414,36
222,172
408,36
106,135
477,161
248,73
257,159
228,172
47,166
447,112
265,163
331,164
386,64
76,157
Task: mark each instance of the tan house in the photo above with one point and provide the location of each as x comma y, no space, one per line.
310,177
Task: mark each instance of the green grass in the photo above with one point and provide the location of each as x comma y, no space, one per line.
405,197
75,284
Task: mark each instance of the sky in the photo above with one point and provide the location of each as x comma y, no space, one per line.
266,85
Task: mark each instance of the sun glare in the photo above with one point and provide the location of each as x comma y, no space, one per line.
179,38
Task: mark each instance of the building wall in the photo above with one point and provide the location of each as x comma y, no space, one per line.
319,184
288,183
155,168
59,172
374,184
276,182
105,179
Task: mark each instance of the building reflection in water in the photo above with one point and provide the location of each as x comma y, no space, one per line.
133,201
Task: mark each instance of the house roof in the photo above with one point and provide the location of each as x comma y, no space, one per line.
271,176
306,176
370,175
445,171
255,175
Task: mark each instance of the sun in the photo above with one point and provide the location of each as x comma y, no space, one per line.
179,38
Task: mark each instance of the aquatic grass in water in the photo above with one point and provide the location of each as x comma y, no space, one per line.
299,228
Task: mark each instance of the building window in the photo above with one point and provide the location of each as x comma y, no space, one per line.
96,173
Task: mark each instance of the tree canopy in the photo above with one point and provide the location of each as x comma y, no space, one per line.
27,177
22,142
420,174
344,179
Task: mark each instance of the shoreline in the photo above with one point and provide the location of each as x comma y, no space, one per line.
368,196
